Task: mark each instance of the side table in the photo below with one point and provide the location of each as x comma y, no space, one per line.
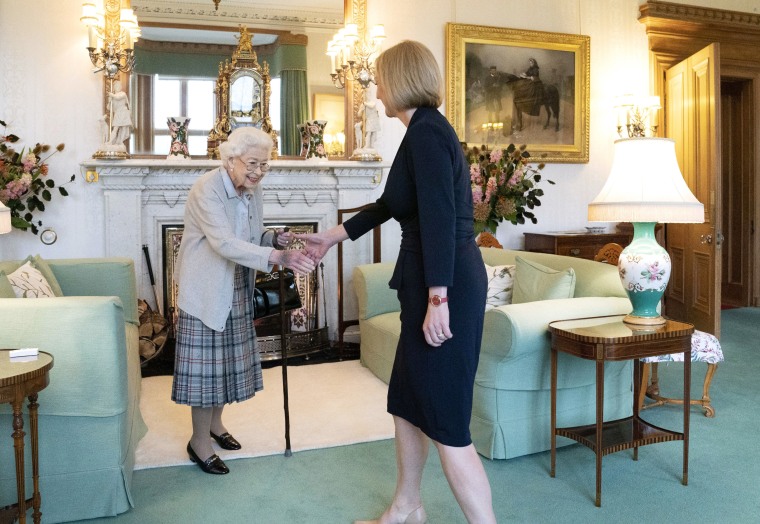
608,339
19,380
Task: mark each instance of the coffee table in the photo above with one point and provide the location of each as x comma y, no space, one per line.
605,339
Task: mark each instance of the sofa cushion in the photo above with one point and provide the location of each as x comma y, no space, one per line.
28,282
38,263
6,290
500,284
534,281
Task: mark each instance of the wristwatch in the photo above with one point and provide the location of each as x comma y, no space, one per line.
437,300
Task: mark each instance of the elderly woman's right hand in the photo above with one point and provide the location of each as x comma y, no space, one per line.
295,259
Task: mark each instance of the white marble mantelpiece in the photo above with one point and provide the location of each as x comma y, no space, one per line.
142,196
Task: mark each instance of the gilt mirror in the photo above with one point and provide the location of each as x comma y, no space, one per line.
183,43
243,91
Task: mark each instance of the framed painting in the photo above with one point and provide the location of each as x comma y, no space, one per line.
511,86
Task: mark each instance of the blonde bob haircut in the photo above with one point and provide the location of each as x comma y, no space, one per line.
409,75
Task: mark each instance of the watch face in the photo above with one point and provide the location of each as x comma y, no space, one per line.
435,300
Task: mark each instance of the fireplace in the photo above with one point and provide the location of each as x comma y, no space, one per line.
139,198
305,331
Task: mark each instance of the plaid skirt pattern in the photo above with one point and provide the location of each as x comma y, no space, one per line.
214,368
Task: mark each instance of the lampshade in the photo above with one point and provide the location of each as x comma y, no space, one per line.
645,185
5,219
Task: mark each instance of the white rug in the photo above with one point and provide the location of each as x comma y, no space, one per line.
330,405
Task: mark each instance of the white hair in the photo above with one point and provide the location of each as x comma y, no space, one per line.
242,139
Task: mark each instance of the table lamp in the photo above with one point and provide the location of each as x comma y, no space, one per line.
645,186
5,219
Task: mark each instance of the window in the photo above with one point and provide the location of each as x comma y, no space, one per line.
175,97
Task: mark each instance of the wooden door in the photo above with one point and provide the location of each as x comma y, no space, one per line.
692,109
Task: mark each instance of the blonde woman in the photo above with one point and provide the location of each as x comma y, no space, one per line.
440,280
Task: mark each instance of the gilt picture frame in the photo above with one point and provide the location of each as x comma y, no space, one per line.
512,86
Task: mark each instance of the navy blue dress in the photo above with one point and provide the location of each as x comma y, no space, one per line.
428,192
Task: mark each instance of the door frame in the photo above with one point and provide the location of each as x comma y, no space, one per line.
675,31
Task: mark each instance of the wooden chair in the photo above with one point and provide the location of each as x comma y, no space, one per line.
486,239
609,253
704,348
343,324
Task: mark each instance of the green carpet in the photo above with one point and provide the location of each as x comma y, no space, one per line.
339,485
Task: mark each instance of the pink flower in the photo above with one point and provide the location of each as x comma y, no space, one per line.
29,162
496,155
490,188
516,178
477,194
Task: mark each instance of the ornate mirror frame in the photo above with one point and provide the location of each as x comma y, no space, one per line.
354,11
244,64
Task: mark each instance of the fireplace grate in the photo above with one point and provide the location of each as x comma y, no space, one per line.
298,344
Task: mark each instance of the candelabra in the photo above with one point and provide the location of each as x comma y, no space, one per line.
334,144
112,31
352,58
637,116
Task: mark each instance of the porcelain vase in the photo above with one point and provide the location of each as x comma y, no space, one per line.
178,126
316,129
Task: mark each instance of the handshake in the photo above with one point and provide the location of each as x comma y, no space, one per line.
306,259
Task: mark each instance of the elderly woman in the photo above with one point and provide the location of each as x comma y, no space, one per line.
224,243
440,281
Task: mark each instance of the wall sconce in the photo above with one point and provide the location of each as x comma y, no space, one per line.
637,116
112,31
352,58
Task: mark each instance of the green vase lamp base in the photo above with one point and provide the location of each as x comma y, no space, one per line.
644,268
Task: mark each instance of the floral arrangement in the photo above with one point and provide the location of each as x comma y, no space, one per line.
503,186
24,186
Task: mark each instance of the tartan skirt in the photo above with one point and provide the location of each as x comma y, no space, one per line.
213,368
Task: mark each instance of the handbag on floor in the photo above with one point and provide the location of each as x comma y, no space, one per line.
266,294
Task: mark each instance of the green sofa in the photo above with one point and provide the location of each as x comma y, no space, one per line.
89,415
511,406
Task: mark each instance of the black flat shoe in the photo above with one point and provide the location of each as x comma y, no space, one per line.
213,464
226,441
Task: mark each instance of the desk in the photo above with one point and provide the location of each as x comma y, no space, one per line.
19,380
608,338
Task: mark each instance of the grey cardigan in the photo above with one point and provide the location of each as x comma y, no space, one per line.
205,266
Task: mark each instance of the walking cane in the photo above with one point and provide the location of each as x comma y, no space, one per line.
284,356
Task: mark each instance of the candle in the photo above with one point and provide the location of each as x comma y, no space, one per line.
92,37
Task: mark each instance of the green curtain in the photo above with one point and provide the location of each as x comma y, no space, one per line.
294,108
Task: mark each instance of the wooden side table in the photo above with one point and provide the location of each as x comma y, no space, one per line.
609,339
581,245
19,380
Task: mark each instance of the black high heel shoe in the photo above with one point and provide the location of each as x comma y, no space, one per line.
213,464
226,441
